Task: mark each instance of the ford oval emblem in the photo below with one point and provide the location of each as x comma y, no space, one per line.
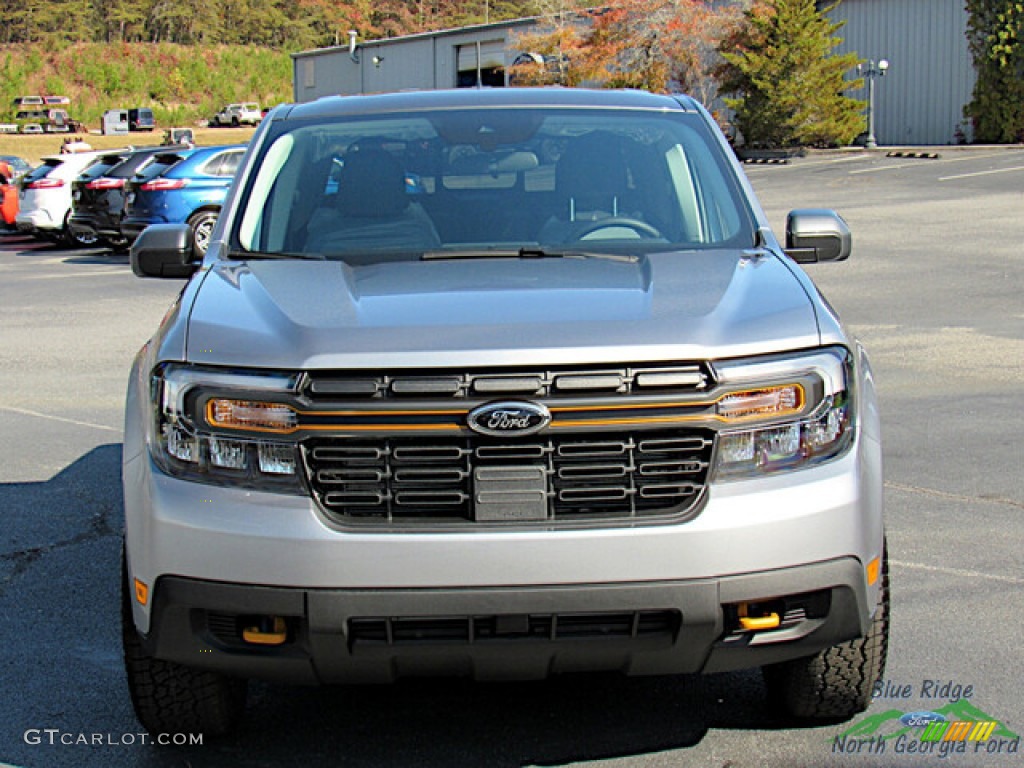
921,719
511,419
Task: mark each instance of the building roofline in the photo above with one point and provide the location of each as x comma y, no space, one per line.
383,42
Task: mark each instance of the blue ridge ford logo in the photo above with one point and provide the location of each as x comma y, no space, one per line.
921,719
510,419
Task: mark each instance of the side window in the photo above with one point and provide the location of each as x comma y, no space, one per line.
229,167
224,164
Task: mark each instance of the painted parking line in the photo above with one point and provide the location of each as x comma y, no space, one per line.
982,173
886,168
966,157
62,419
960,573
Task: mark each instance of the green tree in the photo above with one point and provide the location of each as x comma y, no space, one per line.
995,35
790,89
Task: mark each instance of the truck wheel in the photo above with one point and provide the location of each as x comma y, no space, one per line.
836,683
170,697
202,224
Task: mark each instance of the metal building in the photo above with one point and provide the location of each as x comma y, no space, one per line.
452,58
930,78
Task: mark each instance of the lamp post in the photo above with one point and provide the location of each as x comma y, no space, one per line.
871,71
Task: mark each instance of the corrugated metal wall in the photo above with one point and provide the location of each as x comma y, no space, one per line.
428,60
930,77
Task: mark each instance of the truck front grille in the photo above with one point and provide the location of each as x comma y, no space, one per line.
612,477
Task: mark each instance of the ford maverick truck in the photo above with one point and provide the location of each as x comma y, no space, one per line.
499,384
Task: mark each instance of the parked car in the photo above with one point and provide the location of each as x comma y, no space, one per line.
98,194
46,197
571,406
8,198
246,113
141,119
186,186
18,166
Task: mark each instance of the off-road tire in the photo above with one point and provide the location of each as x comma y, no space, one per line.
836,683
170,697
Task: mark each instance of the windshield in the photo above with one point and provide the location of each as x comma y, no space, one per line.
488,180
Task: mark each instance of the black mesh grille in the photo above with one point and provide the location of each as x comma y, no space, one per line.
457,630
632,380
611,477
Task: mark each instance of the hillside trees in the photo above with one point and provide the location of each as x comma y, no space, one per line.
283,24
790,89
995,35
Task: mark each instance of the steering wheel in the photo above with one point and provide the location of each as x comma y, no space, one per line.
642,228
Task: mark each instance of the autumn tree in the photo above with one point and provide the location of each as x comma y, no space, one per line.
655,45
789,88
995,35
553,52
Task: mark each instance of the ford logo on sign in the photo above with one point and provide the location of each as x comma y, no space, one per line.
921,719
512,419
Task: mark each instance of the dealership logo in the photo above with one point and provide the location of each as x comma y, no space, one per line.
956,728
511,419
922,719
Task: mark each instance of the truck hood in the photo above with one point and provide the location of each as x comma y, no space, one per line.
289,314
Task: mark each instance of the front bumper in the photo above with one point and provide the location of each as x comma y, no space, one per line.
374,636
235,557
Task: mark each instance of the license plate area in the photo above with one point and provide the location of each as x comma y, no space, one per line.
510,493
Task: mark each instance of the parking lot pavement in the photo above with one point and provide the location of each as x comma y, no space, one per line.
933,289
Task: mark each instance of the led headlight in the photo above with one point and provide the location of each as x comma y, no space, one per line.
223,427
783,435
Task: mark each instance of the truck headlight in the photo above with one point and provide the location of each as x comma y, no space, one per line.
786,444
201,416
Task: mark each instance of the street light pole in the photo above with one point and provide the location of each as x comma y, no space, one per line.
871,72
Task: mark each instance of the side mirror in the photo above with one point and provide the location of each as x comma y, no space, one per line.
164,250
817,234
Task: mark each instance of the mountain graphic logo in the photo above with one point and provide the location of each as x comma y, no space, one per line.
879,725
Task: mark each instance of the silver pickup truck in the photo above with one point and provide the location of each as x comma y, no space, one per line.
500,384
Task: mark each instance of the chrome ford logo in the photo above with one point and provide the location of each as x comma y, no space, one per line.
512,419
921,719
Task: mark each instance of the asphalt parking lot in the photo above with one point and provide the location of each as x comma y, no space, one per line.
934,290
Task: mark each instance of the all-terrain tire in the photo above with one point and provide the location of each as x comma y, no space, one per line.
836,683
170,697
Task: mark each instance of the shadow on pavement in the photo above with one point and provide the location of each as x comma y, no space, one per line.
67,531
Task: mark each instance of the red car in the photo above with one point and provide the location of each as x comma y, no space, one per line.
9,195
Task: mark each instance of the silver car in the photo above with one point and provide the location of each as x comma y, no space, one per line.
501,384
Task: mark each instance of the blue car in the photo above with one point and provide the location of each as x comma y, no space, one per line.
181,186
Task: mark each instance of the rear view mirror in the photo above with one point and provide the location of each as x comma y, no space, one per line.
164,250
817,234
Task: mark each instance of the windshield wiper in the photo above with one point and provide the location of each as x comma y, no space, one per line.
525,253
270,255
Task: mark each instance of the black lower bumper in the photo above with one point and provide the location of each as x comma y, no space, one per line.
361,636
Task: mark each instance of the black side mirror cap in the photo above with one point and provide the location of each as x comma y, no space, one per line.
164,250
817,234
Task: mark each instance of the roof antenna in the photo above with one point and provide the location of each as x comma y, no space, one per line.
352,46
